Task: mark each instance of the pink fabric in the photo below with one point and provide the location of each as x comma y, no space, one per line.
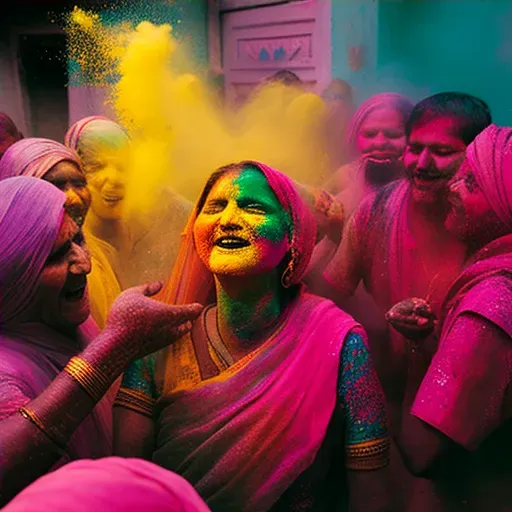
30,216
384,100
466,392
244,437
109,485
484,291
490,157
494,260
32,354
72,136
34,157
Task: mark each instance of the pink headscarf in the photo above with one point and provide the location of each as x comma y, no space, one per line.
34,157
192,282
490,158
110,484
31,213
74,134
384,100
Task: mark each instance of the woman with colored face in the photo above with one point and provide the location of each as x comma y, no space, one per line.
53,162
56,370
273,388
142,247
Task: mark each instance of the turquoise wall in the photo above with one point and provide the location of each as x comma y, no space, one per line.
424,47
189,20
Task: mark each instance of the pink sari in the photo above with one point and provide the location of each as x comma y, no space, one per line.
109,485
33,354
244,436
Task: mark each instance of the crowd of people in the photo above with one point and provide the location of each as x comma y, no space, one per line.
324,349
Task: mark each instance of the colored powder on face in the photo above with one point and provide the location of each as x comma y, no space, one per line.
277,224
179,132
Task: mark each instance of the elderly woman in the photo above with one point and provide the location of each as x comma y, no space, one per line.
110,485
140,248
53,162
55,369
376,142
274,391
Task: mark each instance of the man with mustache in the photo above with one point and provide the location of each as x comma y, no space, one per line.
456,424
396,242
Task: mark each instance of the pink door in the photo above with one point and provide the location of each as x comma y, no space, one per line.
258,42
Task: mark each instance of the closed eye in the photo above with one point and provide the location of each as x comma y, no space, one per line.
215,206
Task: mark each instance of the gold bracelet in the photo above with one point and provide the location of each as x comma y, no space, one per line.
135,400
34,419
368,455
93,381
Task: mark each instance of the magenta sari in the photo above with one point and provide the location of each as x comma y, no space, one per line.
33,354
242,437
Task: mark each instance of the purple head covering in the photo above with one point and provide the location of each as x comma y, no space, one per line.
385,100
34,157
490,158
31,212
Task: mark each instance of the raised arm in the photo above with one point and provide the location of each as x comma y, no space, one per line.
35,437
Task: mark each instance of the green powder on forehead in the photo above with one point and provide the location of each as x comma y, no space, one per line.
251,182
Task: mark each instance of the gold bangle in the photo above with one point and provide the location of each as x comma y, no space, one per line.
93,381
368,455
34,419
135,400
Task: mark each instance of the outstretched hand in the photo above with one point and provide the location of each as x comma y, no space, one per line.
147,325
413,318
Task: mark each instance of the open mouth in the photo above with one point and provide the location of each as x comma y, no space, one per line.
75,294
112,199
231,242
425,180
381,156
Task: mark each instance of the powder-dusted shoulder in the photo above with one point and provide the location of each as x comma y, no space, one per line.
490,299
317,304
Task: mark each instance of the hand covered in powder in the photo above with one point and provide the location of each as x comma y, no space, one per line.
413,318
144,325
327,211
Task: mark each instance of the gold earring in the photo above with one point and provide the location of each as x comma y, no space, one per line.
286,278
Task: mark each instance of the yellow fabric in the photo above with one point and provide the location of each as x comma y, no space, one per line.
103,283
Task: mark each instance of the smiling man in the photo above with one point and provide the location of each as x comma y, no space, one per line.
396,242
456,423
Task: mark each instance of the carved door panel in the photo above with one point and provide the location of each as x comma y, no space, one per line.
258,42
